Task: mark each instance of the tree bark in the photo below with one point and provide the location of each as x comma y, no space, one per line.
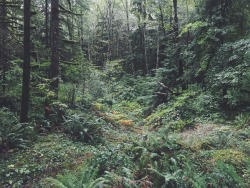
46,24
26,64
109,28
162,19
178,49
3,44
145,36
128,35
157,48
54,67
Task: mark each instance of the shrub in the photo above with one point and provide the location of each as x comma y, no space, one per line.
112,158
190,177
83,127
227,176
10,102
86,178
12,133
242,120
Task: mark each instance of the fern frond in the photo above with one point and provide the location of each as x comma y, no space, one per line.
99,182
55,182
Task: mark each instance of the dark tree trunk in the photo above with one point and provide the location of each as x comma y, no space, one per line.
26,64
178,49
145,36
3,44
161,37
81,37
157,48
162,19
128,35
46,24
54,67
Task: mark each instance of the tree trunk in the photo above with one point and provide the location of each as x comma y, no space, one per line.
178,49
46,24
81,37
145,48
145,36
70,34
26,64
157,48
3,44
54,67
128,37
162,19
109,28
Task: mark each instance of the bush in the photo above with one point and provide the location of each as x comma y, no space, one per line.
10,102
242,120
112,159
12,133
86,178
227,176
83,127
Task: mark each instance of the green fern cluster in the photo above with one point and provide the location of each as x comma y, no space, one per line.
83,127
12,133
85,179
242,120
88,178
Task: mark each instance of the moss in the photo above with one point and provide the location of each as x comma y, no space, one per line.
116,117
98,106
169,112
155,117
128,123
233,157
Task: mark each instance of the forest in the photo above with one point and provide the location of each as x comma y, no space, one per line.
125,93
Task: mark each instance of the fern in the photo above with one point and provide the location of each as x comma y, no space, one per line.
82,127
85,179
242,121
115,180
229,175
55,182
12,133
167,178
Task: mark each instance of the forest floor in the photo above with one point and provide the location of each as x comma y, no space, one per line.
55,153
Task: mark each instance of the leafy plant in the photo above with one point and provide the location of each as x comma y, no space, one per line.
242,120
112,158
83,127
12,133
125,179
227,176
231,76
86,178
164,179
189,177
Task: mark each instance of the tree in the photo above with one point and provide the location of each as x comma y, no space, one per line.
177,45
3,43
26,63
54,66
128,35
46,23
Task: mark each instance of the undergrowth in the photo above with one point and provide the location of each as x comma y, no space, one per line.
12,133
109,142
